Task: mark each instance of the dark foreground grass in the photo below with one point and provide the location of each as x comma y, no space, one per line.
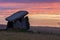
6,35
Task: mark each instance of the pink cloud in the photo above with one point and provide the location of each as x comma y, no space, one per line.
49,8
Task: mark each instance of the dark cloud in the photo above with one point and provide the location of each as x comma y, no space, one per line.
27,1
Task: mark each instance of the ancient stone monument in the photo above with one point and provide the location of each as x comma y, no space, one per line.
18,20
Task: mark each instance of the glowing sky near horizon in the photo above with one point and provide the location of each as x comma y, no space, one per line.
40,11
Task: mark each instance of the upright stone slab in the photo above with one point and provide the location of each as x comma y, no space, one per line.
9,25
22,24
25,23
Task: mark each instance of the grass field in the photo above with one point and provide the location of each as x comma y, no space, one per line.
4,35
17,35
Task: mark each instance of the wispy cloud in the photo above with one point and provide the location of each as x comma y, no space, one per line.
48,8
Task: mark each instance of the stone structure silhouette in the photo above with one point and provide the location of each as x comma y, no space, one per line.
18,20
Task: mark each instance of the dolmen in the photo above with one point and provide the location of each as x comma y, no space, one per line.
18,20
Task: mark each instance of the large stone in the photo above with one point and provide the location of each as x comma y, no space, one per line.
17,15
18,20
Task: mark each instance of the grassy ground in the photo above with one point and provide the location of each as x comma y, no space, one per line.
6,35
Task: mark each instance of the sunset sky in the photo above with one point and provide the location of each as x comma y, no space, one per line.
41,12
